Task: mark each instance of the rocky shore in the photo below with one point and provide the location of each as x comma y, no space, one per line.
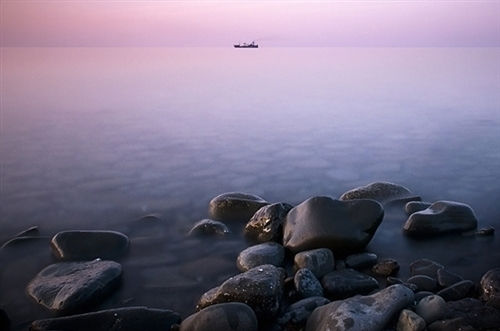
306,268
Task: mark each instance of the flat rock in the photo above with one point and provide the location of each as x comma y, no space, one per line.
414,206
446,278
89,245
231,316
348,282
475,313
296,315
425,267
209,228
382,192
361,260
118,319
409,321
320,261
431,308
441,217
265,253
235,206
267,223
70,286
386,267
490,287
371,312
423,282
306,284
322,222
451,325
457,291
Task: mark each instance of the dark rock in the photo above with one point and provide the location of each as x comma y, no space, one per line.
89,245
208,227
261,288
4,321
361,260
266,253
425,267
393,281
482,317
431,308
235,206
267,223
409,321
348,282
306,284
320,261
415,206
296,315
457,291
446,278
441,217
423,282
232,316
490,287
456,324
340,265
488,231
117,319
70,286
321,222
386,267
422,294
382,192
371,312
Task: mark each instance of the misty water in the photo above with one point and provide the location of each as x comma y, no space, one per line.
97,138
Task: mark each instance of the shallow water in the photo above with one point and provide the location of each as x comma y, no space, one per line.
96,138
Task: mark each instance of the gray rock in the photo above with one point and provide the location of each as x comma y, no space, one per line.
261,288
451,325
383,192
425,267
348,282
423,282
306,284
296,315
457,291
422,294
446,278
320,261
208,227
361,260
431,308
321,222
386,267
490,287
267,223
235,206
441,217
372,312
475,313
70,286
265,253
89,245
117,319
232,316
415,206
409,321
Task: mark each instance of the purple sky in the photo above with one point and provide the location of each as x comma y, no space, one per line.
271,23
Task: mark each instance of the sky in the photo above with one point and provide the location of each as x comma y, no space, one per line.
270,23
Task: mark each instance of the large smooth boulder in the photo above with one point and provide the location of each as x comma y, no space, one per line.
267,223
71,286
371,312
348,282
322,222
231,316
118,319
235,206
265,253
441,217
209,228
383,192
320,261
490,287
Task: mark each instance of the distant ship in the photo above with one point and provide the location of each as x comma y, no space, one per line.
245,45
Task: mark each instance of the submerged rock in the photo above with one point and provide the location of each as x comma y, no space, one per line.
490,287
446,278
231,316
208,227
266,253
425,267
348,282
267,223
306,284
423,282
386,267
320,261
383,192
235,206
488,231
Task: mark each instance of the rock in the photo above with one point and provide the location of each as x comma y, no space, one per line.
261,288
386,267
306,284
457,291
361,260
117,319
482,317
266,253
321,222
230,316
441,217
296,315
4,321
422,294
348,282
425,267
320,261
267,223
208,227
70,286
393,281
235,206
415,206
371,312
446,278
382,192
409,321
490,287
488,231
431,308
450,325
89,245
423,282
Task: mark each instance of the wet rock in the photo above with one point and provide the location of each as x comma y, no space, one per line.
118,319
321,222
208,227
386,267
441,217
490,287
450,325
361,260
371,312
488,231
425,267
415,206
446,278
457,291
320,261
89,245
232,316
261,288
266,253
235,206
422,294
431,308
409,321
306,284
267,223
348,282
382,192
70,286
4,321
482,317
296,315
424,283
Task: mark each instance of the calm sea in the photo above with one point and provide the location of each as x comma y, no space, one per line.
96,138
